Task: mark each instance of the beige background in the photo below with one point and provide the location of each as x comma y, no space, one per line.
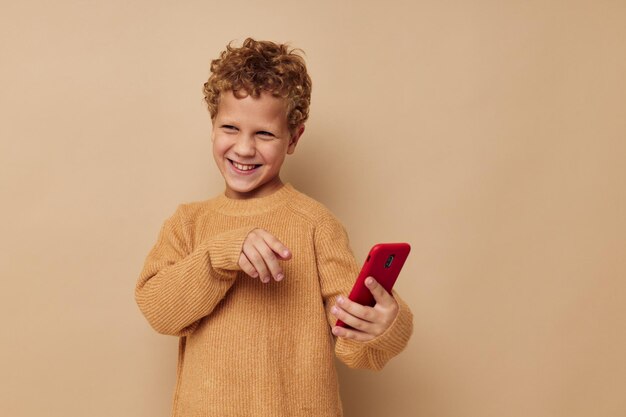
488,134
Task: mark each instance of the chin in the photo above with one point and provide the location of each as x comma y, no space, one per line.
242,189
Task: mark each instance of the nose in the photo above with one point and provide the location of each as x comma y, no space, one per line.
244,146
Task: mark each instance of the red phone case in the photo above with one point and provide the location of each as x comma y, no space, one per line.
384,263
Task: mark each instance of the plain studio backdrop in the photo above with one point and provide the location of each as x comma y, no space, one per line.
490,135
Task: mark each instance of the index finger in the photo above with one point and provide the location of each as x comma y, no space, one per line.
276,245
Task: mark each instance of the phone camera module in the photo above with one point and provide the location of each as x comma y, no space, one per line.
389,261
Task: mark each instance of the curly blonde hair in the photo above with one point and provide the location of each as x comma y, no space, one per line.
259,66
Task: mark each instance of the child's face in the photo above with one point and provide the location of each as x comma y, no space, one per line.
250,140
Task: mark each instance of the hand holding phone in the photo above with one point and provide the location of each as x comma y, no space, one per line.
384,262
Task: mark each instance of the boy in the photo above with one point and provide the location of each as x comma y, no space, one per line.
253,281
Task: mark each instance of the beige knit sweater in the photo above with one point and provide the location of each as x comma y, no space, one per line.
248,348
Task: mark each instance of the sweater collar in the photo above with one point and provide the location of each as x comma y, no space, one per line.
250,206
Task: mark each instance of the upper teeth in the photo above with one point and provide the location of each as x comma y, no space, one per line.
243,167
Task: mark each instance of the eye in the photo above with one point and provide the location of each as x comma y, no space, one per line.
229,128
265,134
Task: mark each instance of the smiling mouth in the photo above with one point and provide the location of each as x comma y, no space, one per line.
243,167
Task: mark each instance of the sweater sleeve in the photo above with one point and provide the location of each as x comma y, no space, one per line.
338,271
179,285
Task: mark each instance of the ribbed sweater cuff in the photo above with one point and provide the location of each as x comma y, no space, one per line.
396,337
224,251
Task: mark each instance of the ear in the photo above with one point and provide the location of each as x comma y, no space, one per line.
295,137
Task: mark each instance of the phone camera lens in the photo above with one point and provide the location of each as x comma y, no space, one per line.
389,261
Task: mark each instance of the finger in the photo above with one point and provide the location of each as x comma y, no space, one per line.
257,262
350,320
270,260
360,311
381,295
247,267
351,334
275,245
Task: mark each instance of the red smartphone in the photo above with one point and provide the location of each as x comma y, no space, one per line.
384,263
